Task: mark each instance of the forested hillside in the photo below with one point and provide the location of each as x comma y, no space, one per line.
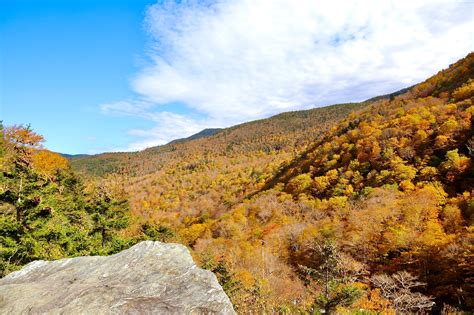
363,207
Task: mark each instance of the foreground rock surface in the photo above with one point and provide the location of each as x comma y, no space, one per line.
149,278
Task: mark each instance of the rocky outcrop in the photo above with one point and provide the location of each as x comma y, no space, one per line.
149,278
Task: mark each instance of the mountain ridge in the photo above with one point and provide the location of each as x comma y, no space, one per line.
207,132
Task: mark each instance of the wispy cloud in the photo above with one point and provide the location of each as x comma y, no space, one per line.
169,126
238,60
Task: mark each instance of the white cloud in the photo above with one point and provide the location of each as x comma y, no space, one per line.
127,108
238,60
169,126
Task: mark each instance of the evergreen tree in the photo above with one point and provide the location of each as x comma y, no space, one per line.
335,283
42,206
109,212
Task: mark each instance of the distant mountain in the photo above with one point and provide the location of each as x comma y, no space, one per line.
201,134
73,156
390,95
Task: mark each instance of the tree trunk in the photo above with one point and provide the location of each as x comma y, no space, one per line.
103,237
19,216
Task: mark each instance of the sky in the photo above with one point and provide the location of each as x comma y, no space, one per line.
121,75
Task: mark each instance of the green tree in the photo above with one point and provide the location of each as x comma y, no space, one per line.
224,276
160,233
20,182
108,209
41,217
335,282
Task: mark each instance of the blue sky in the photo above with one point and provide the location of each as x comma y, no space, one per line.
61,59
95,76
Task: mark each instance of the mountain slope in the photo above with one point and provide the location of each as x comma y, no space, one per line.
390,186
428,127
382,190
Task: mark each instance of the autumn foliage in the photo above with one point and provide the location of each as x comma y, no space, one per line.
363,207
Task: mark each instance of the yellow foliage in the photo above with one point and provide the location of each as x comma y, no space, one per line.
421,135
332,175
441,141
464,91
349,190
300,183
434,236
246,279
452,219
407,185
48,163
320,183
448,127
428,173
374,302
191,234
401,170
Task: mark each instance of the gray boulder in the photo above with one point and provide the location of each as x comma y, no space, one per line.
149,278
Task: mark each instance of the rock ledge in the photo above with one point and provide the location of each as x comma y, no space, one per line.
149,278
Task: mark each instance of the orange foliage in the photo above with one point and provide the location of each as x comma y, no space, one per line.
48,163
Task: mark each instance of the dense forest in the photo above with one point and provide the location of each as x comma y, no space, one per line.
363,207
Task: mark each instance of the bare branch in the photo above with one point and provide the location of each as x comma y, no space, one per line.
397,288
